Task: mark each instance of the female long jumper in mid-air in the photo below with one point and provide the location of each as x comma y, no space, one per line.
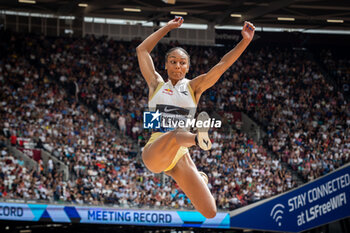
168,150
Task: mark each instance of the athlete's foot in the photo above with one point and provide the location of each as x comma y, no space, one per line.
203,140
204,176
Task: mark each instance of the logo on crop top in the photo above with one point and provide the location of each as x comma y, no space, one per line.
168,91
184,92
167,109
171,109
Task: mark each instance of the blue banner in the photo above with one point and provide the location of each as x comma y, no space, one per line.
102,215
314,204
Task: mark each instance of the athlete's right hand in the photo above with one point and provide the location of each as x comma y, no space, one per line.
175,23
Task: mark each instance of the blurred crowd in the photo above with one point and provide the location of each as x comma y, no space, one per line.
58,92
337,63
306,120
17,181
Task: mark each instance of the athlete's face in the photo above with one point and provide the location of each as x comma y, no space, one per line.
177,65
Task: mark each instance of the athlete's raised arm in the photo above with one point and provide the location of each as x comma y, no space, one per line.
205,81
144,49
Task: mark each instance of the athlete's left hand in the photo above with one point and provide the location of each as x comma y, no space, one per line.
248,31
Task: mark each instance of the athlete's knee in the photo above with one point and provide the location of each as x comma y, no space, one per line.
152,168
151,164
210,209
210,212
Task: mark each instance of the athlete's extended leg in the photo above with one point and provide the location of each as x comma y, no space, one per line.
158,155
190,181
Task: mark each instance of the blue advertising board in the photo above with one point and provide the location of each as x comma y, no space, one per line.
102,215
313,204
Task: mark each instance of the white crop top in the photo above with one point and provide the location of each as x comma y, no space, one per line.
173,102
